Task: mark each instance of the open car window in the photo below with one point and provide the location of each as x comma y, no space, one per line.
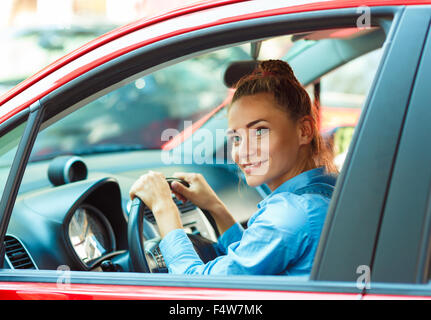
119,135
343,93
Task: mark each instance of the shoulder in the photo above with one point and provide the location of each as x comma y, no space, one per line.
285,211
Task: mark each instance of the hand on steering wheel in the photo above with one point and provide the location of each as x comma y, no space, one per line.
137,253
135,238
152,189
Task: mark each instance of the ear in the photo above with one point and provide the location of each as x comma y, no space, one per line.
305,130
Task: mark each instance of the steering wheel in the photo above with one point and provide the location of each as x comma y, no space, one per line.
138,245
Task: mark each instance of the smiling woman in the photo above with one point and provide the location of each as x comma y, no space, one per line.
272,92
282,236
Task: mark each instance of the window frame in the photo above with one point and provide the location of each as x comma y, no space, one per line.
17,169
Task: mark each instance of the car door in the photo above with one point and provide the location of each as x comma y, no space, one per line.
351,229
371,157
403,248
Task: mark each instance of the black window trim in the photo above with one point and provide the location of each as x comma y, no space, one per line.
17,169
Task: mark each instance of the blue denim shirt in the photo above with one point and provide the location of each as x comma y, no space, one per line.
281,237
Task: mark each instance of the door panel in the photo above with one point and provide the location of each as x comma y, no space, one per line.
352,225
404,242
46,284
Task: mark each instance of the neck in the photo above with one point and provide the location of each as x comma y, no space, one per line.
305,163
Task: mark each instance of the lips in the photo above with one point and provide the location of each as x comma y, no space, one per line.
252,166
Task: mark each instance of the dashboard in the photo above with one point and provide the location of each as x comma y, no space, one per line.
85,233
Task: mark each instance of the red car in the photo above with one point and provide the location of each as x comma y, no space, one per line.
75,136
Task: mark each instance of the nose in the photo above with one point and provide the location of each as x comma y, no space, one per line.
248,149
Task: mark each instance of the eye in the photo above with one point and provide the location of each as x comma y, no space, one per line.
261,131
235,139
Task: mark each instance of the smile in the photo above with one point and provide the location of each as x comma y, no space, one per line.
249,167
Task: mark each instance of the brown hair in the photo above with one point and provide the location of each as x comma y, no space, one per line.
277,77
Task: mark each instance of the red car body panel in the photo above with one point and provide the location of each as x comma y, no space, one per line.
52,291
34,290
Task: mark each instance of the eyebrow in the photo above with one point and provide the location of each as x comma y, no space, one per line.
250,124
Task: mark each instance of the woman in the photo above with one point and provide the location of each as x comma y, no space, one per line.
275,140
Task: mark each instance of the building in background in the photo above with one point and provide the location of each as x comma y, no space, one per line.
35,33
18,13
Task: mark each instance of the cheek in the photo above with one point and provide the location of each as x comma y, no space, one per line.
283,151
264,148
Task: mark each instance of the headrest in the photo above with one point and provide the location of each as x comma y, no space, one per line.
236,70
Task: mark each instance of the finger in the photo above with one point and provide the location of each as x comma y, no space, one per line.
132,194
182,175
179,188
180,197
136,187
132,189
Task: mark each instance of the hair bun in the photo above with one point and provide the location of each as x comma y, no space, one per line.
276,68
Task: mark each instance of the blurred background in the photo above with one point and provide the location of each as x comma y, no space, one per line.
34,33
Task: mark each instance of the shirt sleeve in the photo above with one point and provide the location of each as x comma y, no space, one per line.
275,239
231,235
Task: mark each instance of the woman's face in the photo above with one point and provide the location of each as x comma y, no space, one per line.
266,142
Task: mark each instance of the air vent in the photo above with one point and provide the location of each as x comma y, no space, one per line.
149,215
184,207
17,255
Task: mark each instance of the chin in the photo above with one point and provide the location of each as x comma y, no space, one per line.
254,181
256,177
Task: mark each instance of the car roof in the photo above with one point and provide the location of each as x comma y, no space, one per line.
72,69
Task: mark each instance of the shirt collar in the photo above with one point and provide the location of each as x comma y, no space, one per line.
317,175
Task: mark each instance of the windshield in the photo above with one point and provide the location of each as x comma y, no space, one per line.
134,116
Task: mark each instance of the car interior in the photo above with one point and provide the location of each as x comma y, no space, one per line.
73,205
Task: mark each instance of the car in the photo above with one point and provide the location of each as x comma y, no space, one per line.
151,95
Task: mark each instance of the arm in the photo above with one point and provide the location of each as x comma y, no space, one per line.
203,196
154,191
266,247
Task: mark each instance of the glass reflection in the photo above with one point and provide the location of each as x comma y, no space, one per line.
88,235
